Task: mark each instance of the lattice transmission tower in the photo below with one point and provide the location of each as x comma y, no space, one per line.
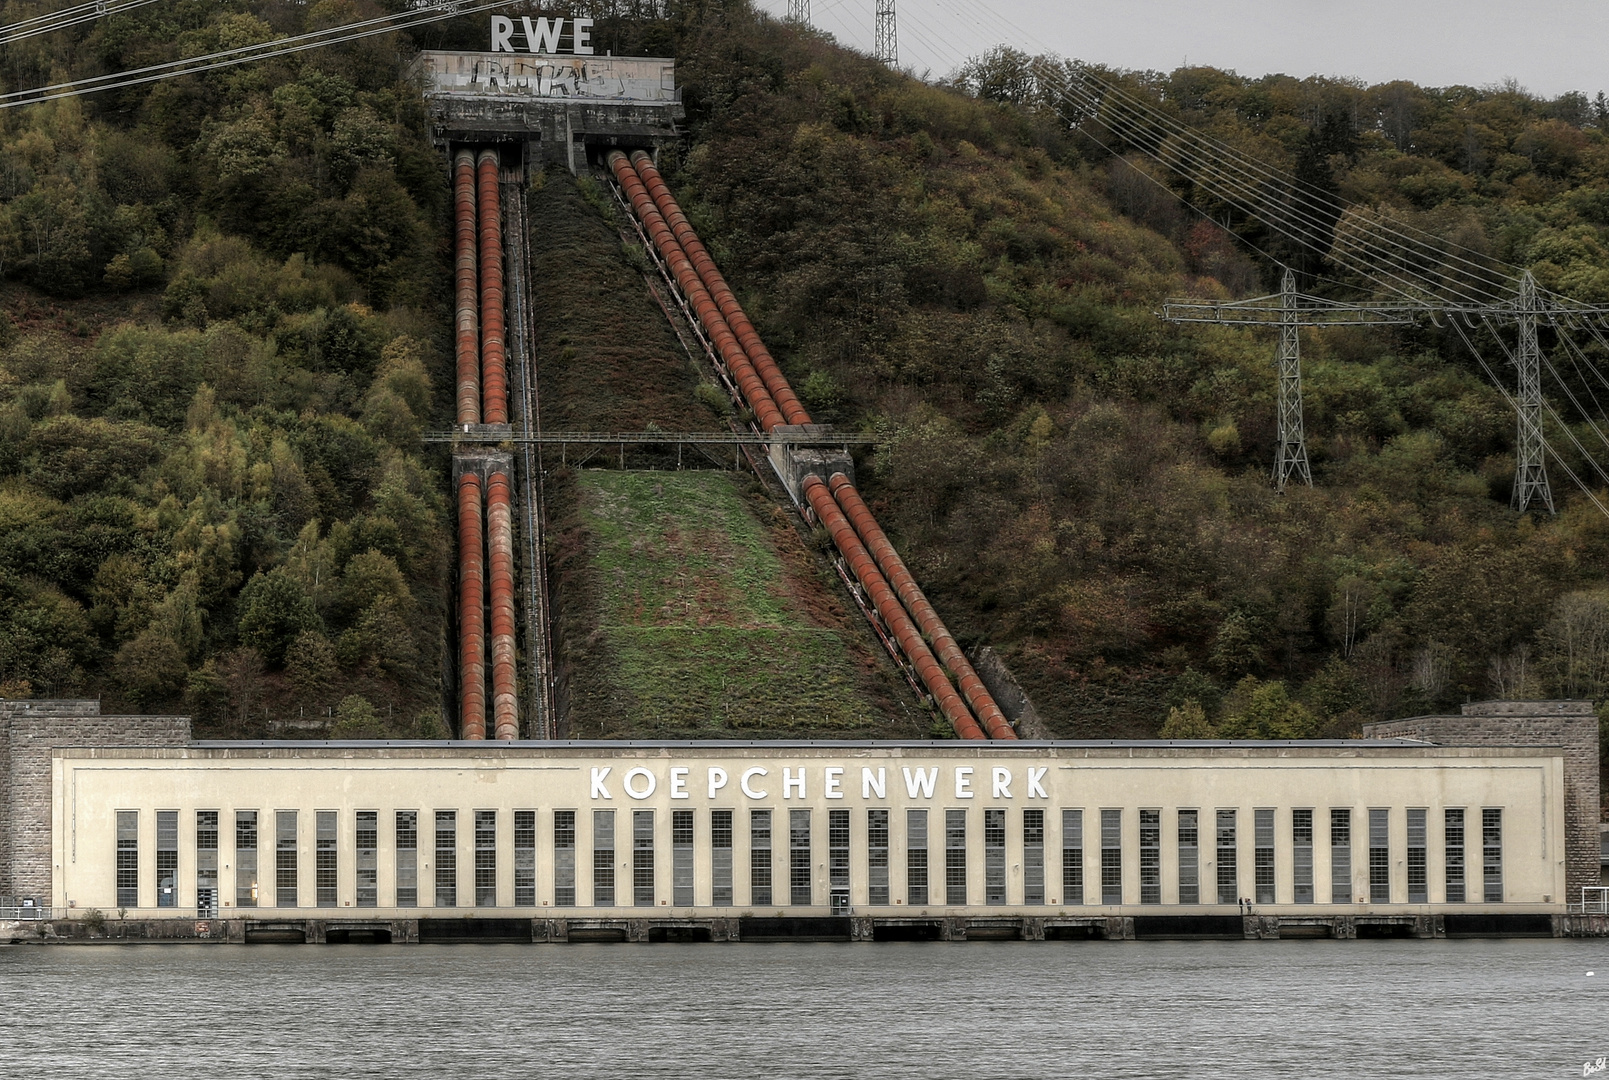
799,11
886,49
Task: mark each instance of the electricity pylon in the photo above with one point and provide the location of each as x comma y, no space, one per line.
1290,311
886,48
799,11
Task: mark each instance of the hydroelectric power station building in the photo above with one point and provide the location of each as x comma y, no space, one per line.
1484,822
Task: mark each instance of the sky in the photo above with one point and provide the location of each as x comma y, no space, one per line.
1547,46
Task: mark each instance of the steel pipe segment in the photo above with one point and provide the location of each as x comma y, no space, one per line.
471,610
737,361
468,297
494,358
899,576
888,606
500,542
749,338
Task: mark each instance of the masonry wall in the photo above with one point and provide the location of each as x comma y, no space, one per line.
29,732
1571,725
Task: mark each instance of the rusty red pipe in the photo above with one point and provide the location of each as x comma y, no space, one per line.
710,275
471,610
467,325
500,542
750,384
494,359
888,606
899,576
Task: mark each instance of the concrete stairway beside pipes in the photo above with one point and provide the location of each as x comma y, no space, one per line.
832,498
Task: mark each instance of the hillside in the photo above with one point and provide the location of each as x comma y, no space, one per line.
223,334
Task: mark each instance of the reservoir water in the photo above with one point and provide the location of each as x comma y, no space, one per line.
1357,1009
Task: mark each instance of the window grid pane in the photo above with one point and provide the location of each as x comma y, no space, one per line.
128,858
955,857
1228,866
167,858
407,822
485,858
1379,856
206,864
1302,854
1418,874
916,886
799,858
1033,856
877,858
525,858
603,858
721,858
325,837
1453,826
1150,856
1189,857
994,856
564,858
1492,854
284,858
1340,856
366,850
838,859
642,858
1072,856
1263,855
760,892
681,857
1111,856
446,858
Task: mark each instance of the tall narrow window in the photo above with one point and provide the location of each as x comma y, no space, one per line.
994,856
245,858
760,858
1302,855
1340,856
1033,856
642,858
955,857
407,858
1379,856
877,857
167,858
681,857
1111,856
1150,856
525,858
799,857
603,858
838,860
1454,835
367,851
1492,854
285,868
721,858
446,858
1072,856
128,858
1189,857
1228,865
1262,822
916,857
1418,876
485,858
206,864
564,858
324,856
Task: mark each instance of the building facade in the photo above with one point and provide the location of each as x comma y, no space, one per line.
400,830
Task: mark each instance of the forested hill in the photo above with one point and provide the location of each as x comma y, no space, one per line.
223,337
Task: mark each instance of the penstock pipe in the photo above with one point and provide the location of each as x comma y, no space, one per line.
466,321
471,610
494,359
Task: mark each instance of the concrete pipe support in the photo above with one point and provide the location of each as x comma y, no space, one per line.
893,567
500,542
719,291
737,361
493,353
466,319
888,606
471,610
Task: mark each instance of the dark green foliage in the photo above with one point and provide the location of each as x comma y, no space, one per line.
274,612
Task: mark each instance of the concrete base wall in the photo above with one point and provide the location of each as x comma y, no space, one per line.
1571,725
29,731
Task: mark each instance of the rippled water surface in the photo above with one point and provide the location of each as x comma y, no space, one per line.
1364,1009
